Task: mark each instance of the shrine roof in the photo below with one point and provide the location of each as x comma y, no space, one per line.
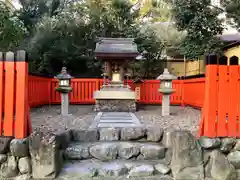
116,46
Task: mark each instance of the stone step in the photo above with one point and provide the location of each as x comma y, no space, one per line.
128,168
111,150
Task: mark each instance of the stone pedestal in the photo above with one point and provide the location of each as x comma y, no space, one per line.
115,105
166,105
64,104
115,97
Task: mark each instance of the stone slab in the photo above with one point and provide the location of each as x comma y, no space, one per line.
115,119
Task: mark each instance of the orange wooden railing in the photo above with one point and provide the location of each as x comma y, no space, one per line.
220,114
39,90
193,92
188,92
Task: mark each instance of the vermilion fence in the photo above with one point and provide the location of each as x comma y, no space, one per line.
221,110
14,107
42,91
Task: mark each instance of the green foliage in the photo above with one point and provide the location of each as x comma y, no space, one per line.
69,37
12,30
233,13
202,25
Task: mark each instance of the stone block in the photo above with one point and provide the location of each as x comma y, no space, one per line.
227,144
77,152
109,134
19,147
65,137
113,169
167,137
209,143
4,144
221,168
162,169
154,134
128,150
104,151
3,158
45,155
24,165
187,159
9,168
141,171
152,151
132,133
234,159
85,135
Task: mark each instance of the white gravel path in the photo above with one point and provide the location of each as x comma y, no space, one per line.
48,117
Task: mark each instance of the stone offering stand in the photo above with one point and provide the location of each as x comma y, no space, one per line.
126,152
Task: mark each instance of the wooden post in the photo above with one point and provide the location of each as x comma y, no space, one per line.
233,93
208,123
1,91
222,97
9,94
21,121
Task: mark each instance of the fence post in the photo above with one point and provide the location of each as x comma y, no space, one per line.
9,95
208,122
1,91
233,93
21,122
222,95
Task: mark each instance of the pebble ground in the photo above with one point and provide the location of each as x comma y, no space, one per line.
49,118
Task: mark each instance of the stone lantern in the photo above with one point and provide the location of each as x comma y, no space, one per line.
166,89
64,87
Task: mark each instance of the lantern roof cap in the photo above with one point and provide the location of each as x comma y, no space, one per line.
166,75
63,75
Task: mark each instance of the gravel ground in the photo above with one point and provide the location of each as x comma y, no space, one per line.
48,117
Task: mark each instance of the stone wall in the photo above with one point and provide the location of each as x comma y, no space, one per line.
177,154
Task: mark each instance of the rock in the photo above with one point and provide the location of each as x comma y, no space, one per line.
9,168
221,168
132,133
237,145
152,151
141,171
104,151
154,134
163,169
209,143
227,144
24,165
238,174
77,152
3,158
168,156
234,158
65,138
19,147
187,160
82,171
45,154
128,150
85,135
23,177
4,144
114,169
167,137
109,134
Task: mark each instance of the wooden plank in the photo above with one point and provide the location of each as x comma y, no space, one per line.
210,97
233,93
9,95
21,121
223,98
1,91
